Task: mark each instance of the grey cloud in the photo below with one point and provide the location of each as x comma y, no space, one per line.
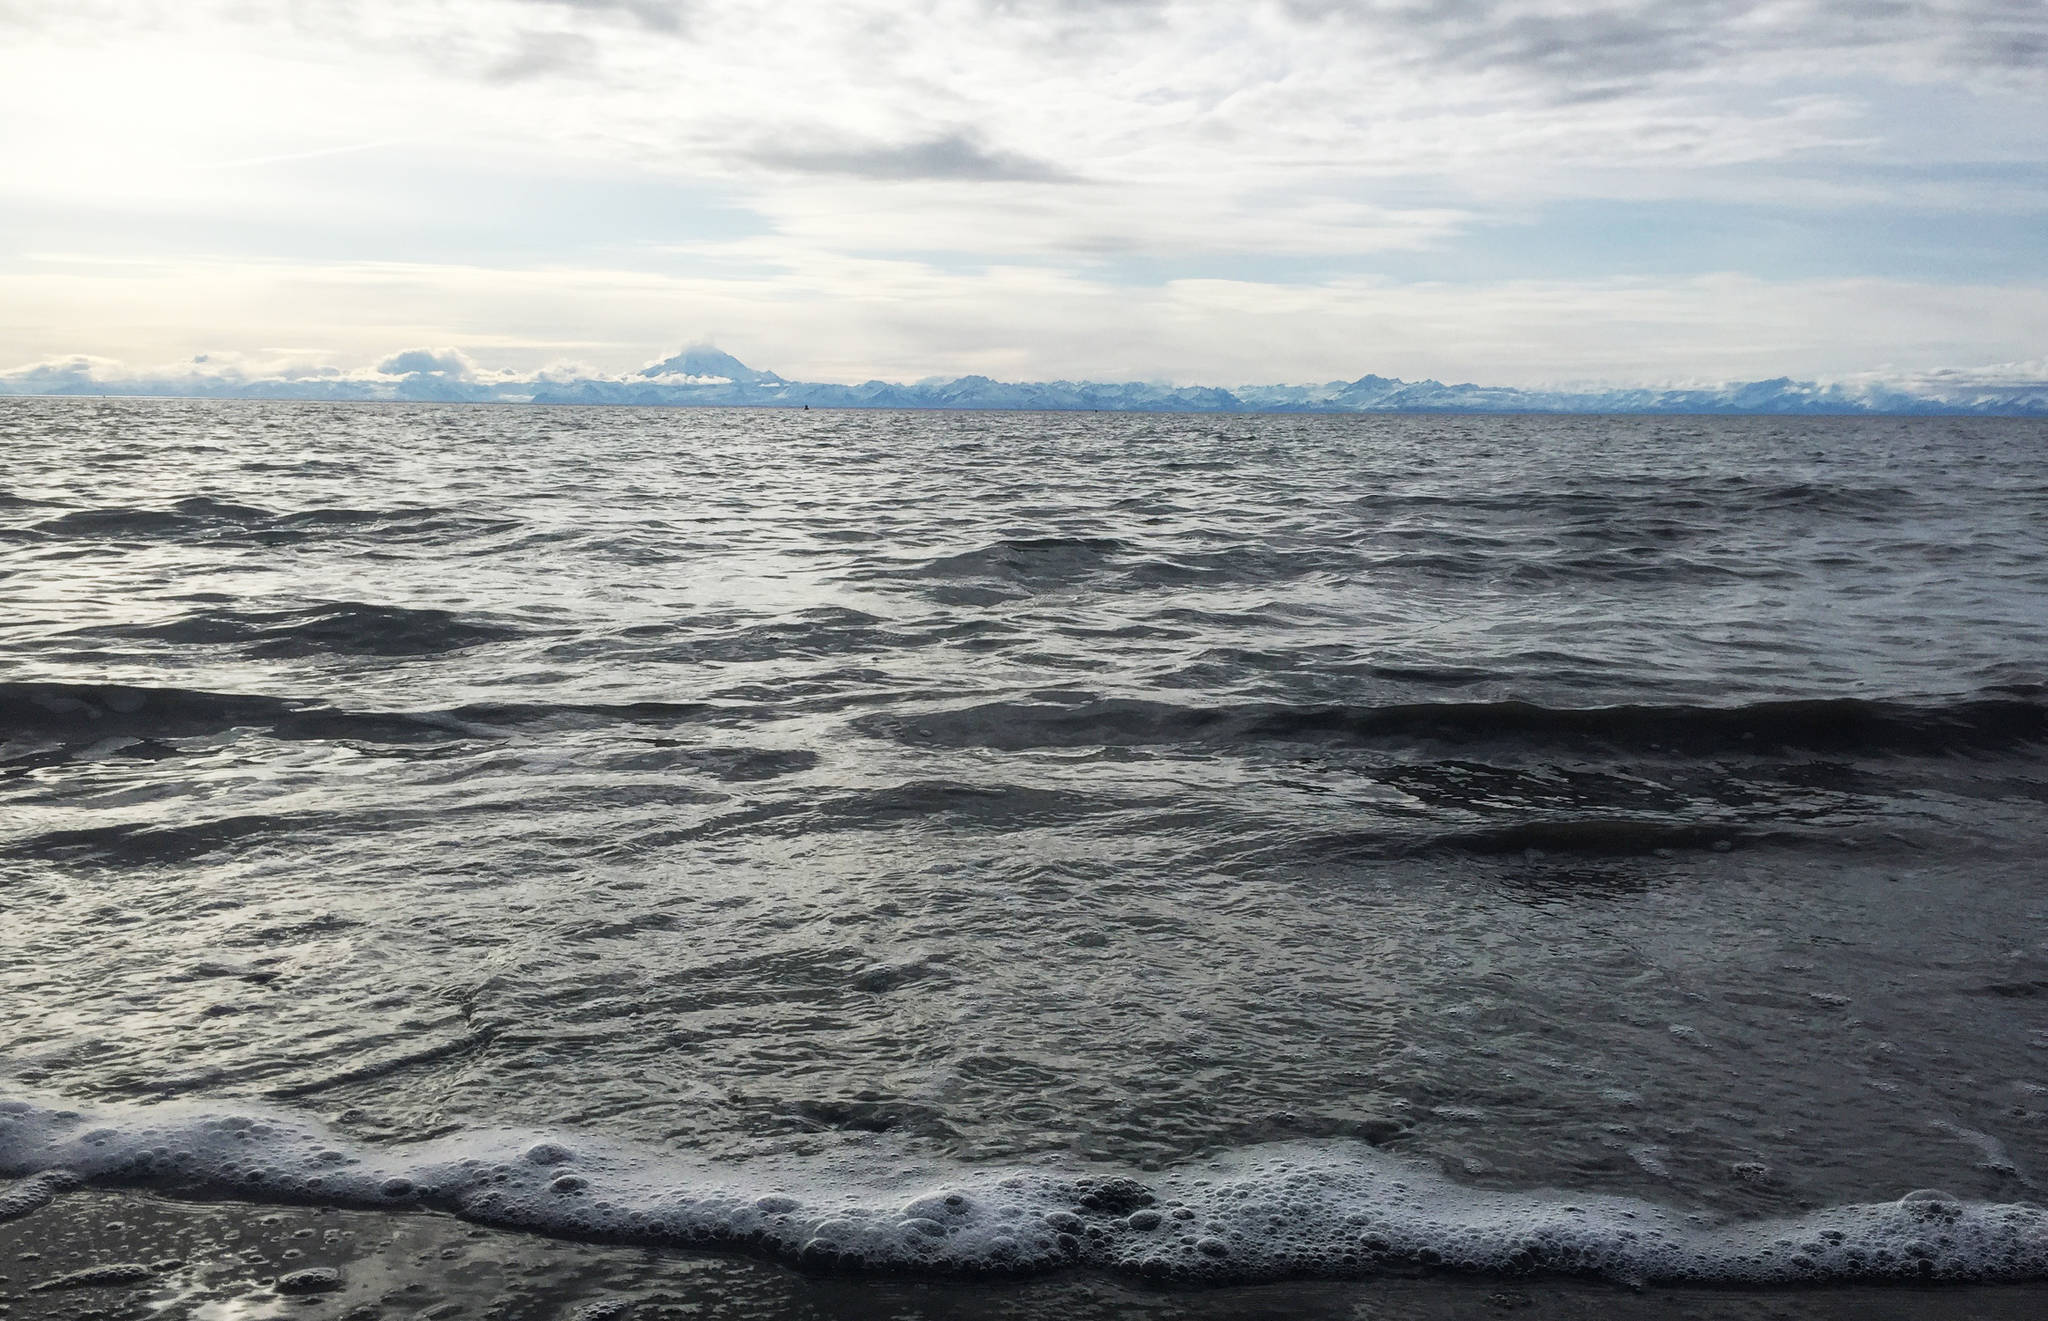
1562,50
18,17
1078,10
489,40
957,156
1584,52
2001,34
1061,29
654,15
540,54
1628,43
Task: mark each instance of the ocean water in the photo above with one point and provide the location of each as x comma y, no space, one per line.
1197,848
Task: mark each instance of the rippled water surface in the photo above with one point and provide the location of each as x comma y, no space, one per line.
1650,808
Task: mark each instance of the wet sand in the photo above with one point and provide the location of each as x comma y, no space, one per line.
104,1256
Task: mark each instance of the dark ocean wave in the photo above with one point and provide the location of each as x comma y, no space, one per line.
74,713
1847,726
85,711
1854,726
131,845
1600,550
1541,566
1248,566
1535,839
1012,566
195,515
336,627
203,518
1868,726
1695,496
78,714
1060,545
513,714
939,807
1606,837
813,633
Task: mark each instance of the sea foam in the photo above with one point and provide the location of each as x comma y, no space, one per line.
1299,1210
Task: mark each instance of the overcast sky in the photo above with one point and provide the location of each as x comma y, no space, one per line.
1512,191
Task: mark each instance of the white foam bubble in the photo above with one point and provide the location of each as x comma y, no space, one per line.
1295,1210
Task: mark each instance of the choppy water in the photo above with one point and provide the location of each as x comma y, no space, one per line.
1522,843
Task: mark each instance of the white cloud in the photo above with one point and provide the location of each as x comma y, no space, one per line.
453,363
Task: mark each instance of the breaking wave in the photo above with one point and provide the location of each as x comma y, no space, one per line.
1283,1211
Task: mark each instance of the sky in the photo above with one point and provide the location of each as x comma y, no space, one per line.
1518,192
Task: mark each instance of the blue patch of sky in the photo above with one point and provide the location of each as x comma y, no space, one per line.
1595,238
1592,239
1932,123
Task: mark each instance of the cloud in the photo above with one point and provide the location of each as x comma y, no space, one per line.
956,156
2010,37
540,54
1570,44
452,363
653,15
62,375
1950,381
1044,92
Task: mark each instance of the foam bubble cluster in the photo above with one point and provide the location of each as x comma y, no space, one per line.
1329,1210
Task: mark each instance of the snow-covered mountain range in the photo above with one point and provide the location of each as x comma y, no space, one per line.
703,376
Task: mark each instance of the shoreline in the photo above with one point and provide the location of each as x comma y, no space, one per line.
157,1257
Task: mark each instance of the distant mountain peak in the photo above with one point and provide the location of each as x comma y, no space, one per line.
709,360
